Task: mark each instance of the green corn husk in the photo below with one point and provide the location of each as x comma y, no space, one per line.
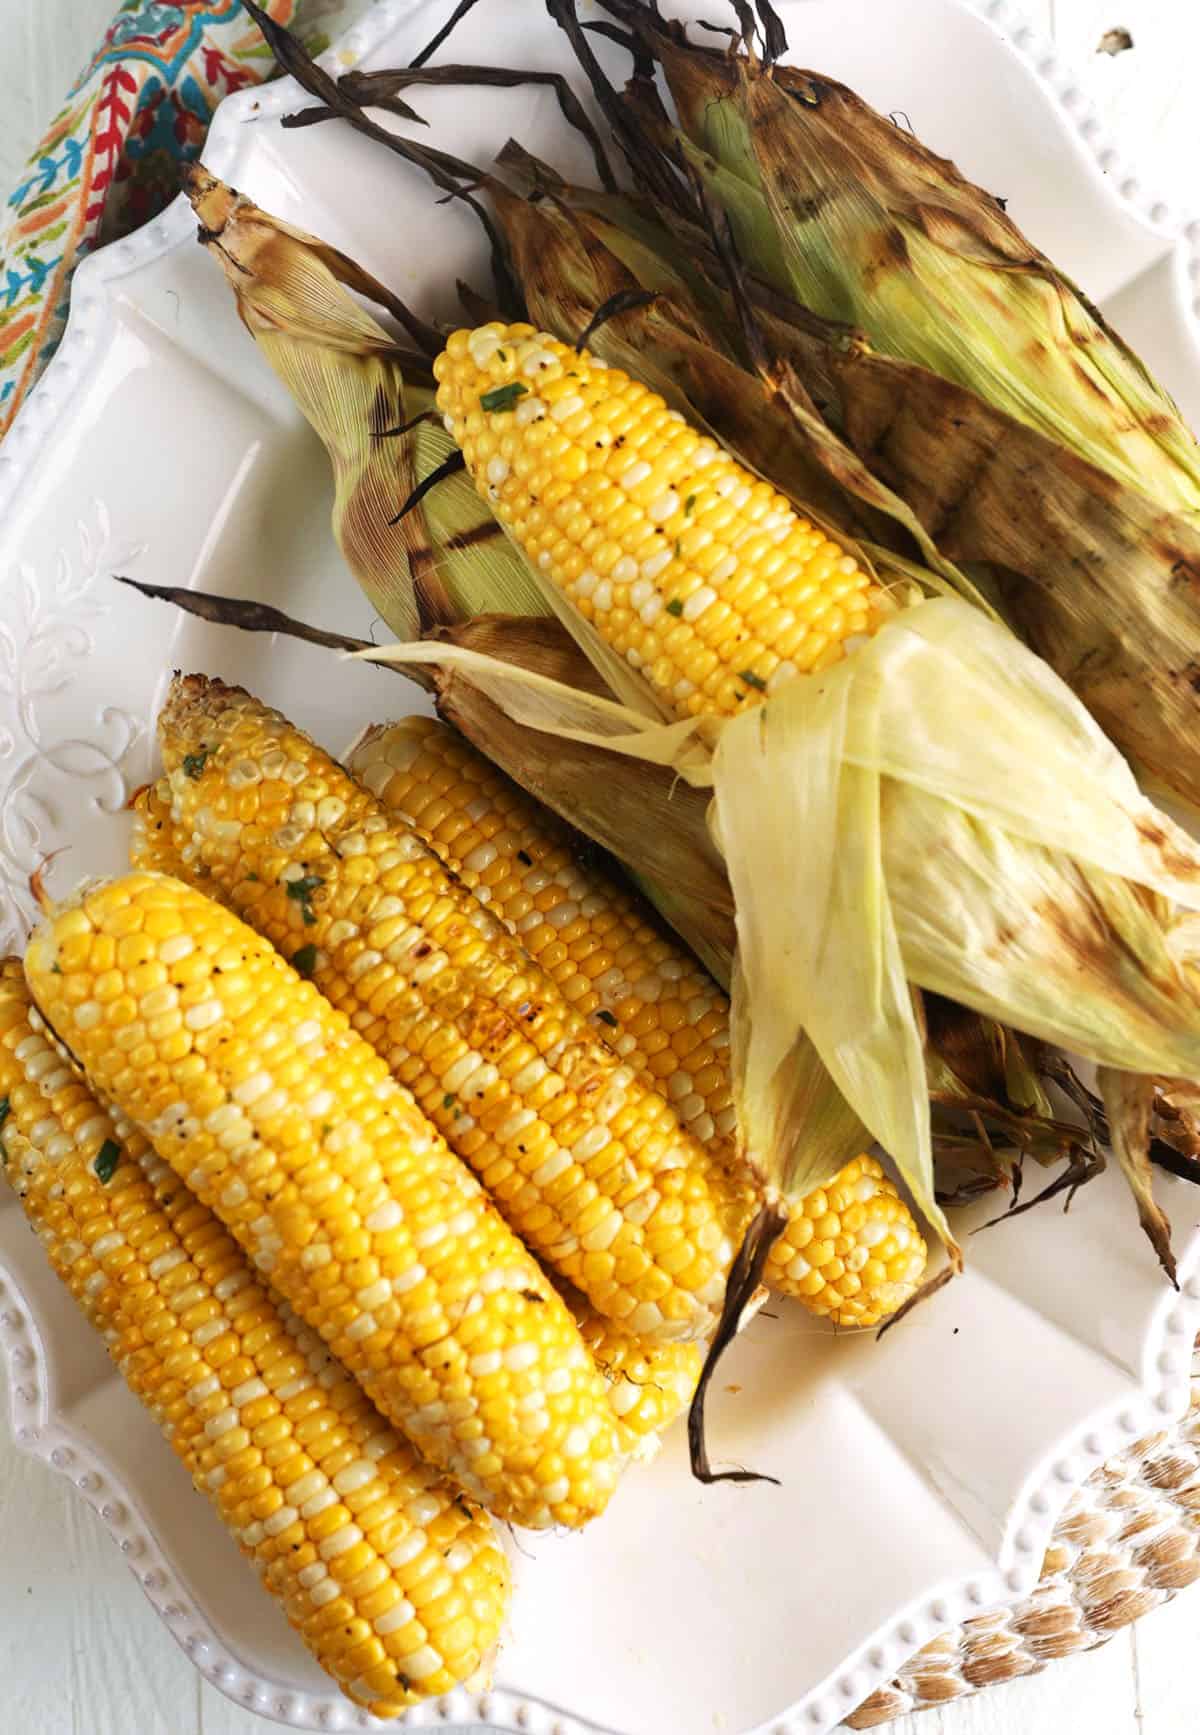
871,228
446,559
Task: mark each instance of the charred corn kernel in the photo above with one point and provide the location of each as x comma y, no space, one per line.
695,570
645,994
588,1164
165,1284
290,1128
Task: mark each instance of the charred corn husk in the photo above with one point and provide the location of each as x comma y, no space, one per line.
850,1251
590,1167
396,1584
703,577
863,223
289,1127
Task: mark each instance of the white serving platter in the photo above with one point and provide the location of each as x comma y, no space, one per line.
921,1477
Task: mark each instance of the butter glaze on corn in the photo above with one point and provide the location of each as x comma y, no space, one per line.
290,1128
589,1165
851,1251
395,1582
696,571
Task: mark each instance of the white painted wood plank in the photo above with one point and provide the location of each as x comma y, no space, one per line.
1165,1645
81,1650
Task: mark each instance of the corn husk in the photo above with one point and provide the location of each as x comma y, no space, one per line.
798,1125
871,228
445,560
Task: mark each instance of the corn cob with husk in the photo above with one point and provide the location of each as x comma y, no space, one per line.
851,1251
290,1129
588,1164
843,1158
1088,572
974,372
394,1581
721,597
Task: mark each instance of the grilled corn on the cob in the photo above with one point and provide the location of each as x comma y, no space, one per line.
395,1582
851,1250
699,573
288,1126
590,1166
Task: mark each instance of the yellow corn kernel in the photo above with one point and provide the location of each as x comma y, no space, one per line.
644,993
585,1160
696,571
649,1384
276,1092
148,1265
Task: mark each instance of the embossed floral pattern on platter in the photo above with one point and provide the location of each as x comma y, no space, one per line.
48,772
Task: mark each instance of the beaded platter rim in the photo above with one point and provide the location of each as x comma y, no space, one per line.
25,1363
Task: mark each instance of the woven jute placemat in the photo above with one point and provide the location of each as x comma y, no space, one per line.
1127,1542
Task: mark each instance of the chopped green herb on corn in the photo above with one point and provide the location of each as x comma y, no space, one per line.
395,1582
852,1250
589,1165
290,1128
701,575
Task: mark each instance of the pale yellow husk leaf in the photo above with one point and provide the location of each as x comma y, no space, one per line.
936,811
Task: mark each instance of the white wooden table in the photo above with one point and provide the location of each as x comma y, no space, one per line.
80,1651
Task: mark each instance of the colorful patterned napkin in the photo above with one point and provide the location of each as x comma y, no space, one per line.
111,158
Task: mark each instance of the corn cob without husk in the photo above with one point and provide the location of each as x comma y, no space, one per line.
394,1581
850,1251
589,1165
289,1127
